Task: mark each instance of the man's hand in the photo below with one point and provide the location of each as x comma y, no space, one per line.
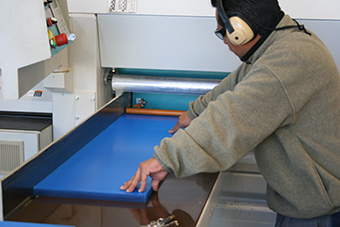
183,121
150,167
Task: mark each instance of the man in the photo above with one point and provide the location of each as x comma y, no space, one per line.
282,102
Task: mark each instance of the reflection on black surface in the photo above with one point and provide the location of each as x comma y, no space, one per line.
151,213
156,211
184,198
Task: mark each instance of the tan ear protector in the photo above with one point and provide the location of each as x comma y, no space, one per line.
239,31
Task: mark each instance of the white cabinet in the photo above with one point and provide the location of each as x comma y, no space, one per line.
21,137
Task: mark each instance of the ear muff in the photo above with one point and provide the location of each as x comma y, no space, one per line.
238,30
242,31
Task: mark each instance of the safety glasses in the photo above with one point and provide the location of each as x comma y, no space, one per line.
220,33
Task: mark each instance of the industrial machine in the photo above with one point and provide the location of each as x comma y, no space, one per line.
120,55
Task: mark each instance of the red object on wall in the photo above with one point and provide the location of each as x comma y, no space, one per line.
61,39
49,22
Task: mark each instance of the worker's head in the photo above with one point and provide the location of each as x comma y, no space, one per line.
243,20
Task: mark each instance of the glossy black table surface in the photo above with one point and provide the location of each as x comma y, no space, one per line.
185,198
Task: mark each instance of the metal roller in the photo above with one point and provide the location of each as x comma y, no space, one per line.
162,84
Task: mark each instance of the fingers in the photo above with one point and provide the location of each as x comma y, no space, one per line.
150,167
130,185
155,184
183,121
174,129
157,178
139,176
142,182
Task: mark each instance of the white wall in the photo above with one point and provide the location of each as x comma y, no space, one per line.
303,9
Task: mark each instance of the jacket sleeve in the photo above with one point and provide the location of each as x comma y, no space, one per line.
229,127
200,104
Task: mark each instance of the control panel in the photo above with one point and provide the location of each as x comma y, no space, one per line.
37,31
58,31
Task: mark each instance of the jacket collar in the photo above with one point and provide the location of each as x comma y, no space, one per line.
266,40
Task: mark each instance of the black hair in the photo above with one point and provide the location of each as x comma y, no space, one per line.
262,14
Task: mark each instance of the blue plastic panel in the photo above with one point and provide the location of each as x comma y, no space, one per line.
23,224
99,169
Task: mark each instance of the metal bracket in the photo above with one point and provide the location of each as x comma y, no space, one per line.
108,74
140,103
163,222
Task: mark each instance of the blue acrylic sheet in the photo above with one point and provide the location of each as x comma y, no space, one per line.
23,224
99,169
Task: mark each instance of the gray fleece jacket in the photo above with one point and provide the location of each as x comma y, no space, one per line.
284,104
